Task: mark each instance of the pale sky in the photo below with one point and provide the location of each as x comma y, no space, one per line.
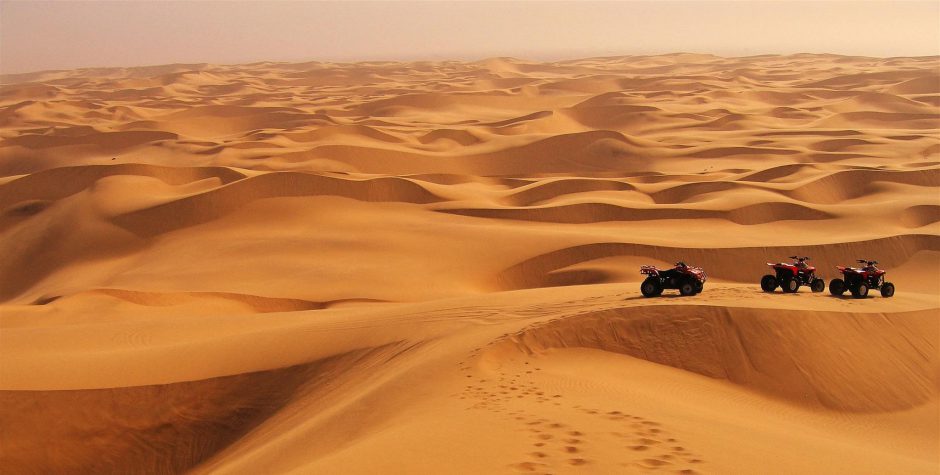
37,35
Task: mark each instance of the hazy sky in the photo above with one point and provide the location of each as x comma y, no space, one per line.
36,35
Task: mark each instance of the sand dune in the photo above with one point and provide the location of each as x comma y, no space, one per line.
433,267
544,190
57,183
106,142
185,427
728,344
189,211
848,184
922,215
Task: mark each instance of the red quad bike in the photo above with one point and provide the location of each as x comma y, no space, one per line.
689,280
791,276
859,280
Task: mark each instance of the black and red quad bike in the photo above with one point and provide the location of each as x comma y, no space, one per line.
689,280
790,276
859,280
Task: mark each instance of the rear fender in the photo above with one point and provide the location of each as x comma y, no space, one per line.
649,270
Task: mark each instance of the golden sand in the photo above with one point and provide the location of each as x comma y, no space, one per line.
433,267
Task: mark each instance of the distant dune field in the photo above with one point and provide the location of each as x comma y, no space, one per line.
433,267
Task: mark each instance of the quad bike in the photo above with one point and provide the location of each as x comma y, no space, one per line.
859,280
791,276
689,280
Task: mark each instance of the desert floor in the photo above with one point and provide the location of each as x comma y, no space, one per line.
434,267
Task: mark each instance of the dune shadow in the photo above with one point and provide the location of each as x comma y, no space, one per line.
848,297
664,296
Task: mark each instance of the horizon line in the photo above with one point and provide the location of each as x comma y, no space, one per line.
5,75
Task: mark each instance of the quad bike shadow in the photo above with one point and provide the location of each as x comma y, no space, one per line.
665,296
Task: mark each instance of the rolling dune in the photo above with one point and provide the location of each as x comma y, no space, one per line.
433,267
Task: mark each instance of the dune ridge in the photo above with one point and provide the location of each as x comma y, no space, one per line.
728,343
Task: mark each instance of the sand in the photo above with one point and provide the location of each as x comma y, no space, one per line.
434,267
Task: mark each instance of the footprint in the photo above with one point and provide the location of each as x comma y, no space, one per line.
528,466
653,463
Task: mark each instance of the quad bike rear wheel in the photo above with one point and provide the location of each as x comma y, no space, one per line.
651,287
818,285
887,289
790,285
687,288
837,287
860,291
768,283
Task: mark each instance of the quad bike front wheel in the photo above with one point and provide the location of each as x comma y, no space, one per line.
887,289
651,287
836,287
818,285
698,287
687,288
768,283
790,286
860,291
